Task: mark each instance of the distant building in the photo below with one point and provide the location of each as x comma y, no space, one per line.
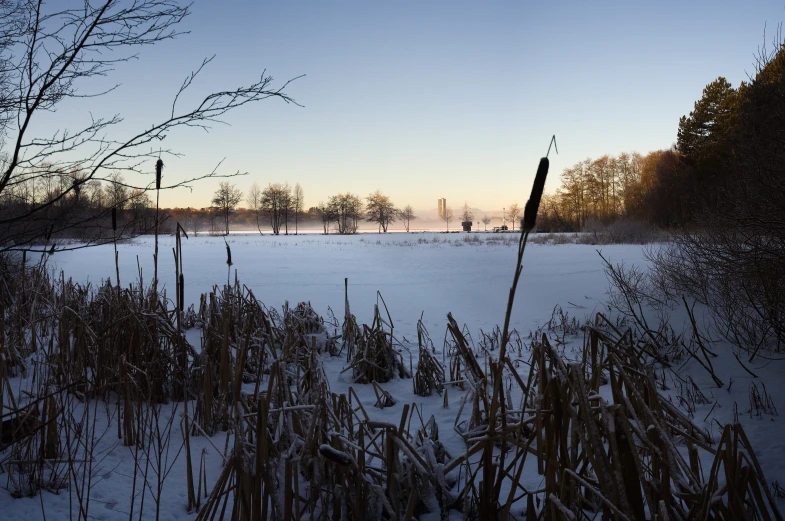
442,207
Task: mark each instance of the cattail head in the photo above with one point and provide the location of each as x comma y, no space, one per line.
228,254
159,168
52,250
533,204
182,292
114,219
24,257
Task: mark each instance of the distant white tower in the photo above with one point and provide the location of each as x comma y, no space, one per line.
442,207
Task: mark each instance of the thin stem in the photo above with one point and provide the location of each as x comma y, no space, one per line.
155,255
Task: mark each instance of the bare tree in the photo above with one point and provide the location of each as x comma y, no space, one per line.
94,193
225,200
275,202
486,221
286,206
380,209
345,210
140,208
193,221
214,222
514,212
297,203
48,51
447,216
467,215
254,200
326,215
116,191
407,216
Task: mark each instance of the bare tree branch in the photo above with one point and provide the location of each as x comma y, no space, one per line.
48,54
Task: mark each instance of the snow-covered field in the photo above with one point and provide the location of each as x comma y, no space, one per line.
424,274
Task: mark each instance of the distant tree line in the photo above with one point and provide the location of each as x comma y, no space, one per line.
44,200
602,189
279,208
343,212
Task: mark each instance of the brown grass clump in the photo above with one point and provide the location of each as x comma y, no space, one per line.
373,356
595,454
429,377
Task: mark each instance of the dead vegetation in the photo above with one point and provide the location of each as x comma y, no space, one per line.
546,436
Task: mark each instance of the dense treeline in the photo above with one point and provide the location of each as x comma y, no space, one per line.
730,186
40,205
732,148
609,188
727,165
601,189
720,190
724,187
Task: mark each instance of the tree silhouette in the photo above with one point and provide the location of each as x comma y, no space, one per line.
407,216
447,216
297,203
225,200
514,211
254,200
467,215
379,209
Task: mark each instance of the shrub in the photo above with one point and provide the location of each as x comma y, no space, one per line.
622,231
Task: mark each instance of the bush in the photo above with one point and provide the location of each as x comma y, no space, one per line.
622,231
738,276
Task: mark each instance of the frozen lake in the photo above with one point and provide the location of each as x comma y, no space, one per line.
423,273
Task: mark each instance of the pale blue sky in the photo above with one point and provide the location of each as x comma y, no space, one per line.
429,99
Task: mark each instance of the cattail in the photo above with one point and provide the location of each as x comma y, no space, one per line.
159,167
533,204
52,250
24,257
182,292
228,254
114,219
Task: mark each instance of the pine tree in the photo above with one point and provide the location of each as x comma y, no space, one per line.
702,136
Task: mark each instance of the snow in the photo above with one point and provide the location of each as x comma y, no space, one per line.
418,274
428,273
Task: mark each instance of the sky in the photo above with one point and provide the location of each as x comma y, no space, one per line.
430,99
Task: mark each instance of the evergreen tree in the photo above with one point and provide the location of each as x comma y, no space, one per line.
702,136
